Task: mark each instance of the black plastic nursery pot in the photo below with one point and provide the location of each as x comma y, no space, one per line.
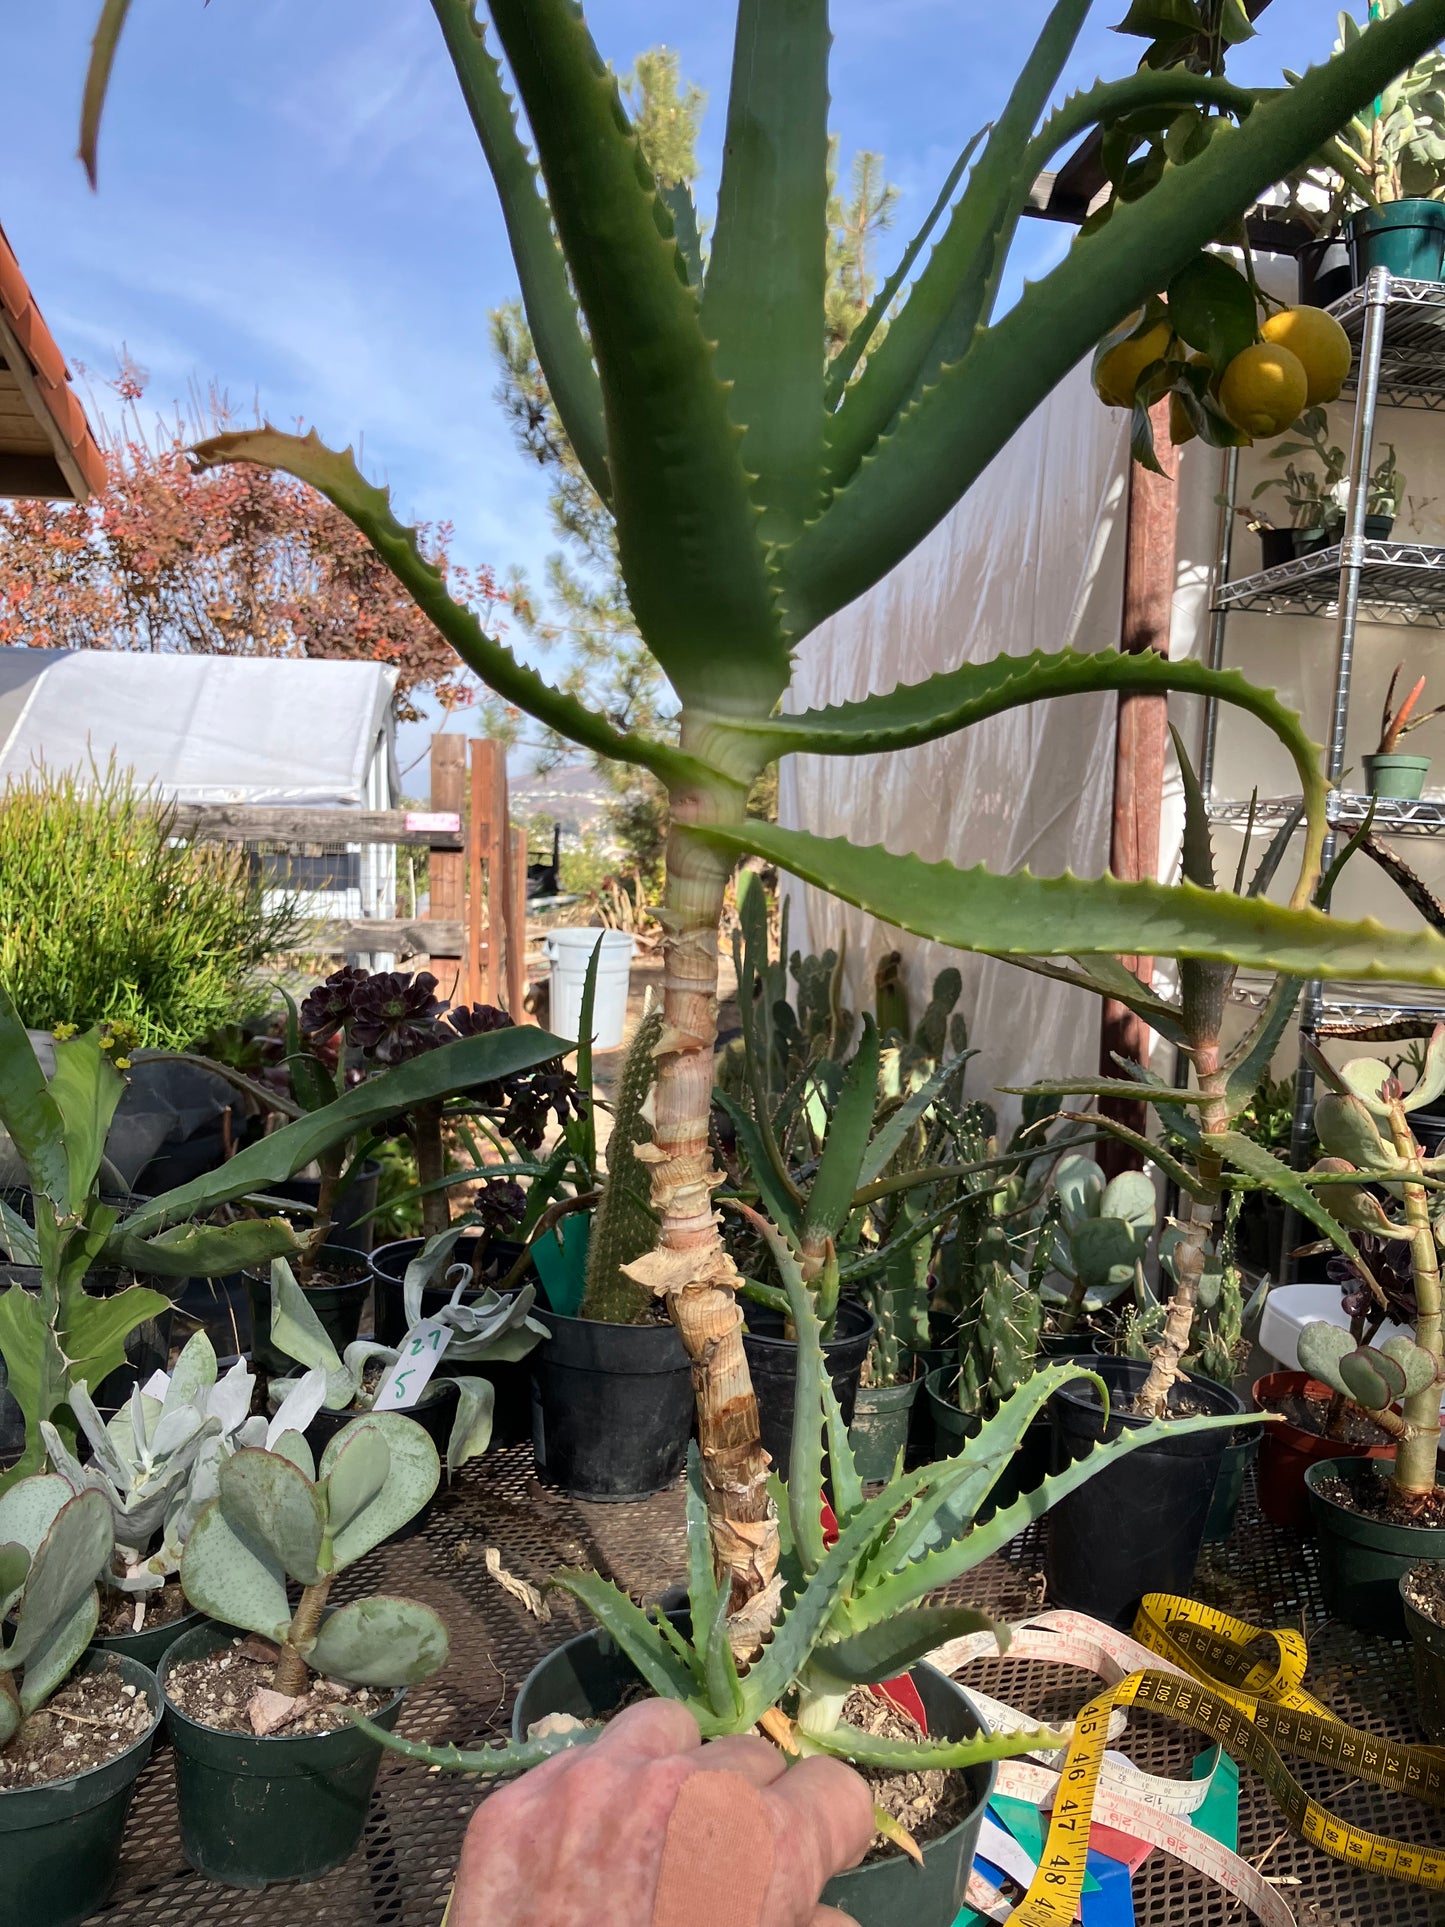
773,1363
151,1644
434,1413
953,1429
1427,1658
255,1811
60,1844
352,1227
612,1407
510,1379
1239,1455
339,1307
1135,1527
1326,270
588,1675
1362,1560
882,1423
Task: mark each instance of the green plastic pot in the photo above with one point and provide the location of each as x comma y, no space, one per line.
1427,1657
882,1416
953,1429
1407,237
1239,1456
255,1811
588,1675
60,1844
1396,775
151,1645
1363,1560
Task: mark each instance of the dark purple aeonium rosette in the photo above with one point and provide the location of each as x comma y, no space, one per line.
327,1009
396,1016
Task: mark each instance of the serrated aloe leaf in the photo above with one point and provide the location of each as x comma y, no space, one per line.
1266,1170
551,312
471,1431
67,1563
1249,1063
720,1670
59,1646
14,1565
514,1756
233,1580
358,1472
1003,915
28,1508
639,1639
805,1461
830,1196
411,1480
780,1207
877,1754
702,1587
763,296
272,1503
842,1466
891,1133
884,1651
1321,1348
380,1641
686,522
942,444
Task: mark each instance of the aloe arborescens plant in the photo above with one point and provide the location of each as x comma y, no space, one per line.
755,491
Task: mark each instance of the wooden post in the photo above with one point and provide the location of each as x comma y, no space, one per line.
515,917
446,867
486,870
1142,732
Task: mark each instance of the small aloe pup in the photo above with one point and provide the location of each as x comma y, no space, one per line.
847,1614
490,1329
54,1545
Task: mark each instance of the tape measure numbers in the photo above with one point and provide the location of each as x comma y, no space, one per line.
1241,1687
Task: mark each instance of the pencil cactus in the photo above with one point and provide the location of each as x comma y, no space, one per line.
278,1518
755,490
54,1545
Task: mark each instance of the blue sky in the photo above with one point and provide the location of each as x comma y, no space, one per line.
292,202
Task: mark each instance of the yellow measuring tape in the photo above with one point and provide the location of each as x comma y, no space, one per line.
1244,1691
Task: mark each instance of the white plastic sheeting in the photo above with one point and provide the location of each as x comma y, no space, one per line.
1033,557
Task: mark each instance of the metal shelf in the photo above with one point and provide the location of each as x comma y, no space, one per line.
1399,582
1349,1003
1394,816
1412,363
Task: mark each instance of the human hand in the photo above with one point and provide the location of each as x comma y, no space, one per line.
647,1827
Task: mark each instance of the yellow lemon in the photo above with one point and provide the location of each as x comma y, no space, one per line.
1118,371
1264,389
1318,341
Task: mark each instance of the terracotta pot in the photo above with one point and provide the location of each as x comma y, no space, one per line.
1286,1451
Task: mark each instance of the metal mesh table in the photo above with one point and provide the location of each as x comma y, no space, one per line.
402,1876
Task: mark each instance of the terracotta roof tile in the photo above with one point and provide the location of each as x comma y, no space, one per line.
52,377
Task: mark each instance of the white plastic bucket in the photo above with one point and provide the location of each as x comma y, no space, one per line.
570,952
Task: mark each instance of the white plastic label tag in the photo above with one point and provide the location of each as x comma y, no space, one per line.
408,1377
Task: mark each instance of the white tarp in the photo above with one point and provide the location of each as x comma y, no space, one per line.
205,729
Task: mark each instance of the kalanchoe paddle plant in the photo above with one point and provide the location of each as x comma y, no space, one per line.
279,1518
755,490
851,1613
54,1545
1363,1121
488,1329
61,1334
1100,1236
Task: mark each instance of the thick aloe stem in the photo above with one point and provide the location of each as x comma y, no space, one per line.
1197,1223
689,1267
291,1667
1415,1454
431,1167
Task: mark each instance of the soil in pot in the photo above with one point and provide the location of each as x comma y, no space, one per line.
1286,1450
60,1839
1137,1526
1422,1594
773,1363
165,1616
291,1806
1369,1537
93,1719
216,1689
612,1406
510,1379
337,1289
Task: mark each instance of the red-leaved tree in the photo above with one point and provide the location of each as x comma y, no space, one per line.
232,561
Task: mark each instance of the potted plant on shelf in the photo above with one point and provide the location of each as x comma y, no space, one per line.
1312,495
1388,770
849,1614
75,1728
272,1777
55,1332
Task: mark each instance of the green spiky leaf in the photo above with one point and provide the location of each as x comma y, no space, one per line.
890,1648
496,1762
638,1637
877,1754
